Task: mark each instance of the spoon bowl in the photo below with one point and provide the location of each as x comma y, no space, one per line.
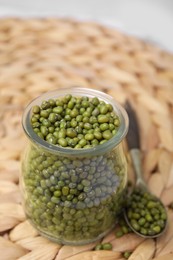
154,228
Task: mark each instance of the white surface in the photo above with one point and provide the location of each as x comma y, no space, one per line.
148,19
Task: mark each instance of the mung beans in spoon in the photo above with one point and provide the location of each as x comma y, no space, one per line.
145,213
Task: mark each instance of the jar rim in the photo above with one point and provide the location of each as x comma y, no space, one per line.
76,91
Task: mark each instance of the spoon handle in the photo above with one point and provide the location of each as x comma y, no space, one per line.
133,138
133,141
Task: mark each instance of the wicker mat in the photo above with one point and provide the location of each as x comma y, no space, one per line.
46,54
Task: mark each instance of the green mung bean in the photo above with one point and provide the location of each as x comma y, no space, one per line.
107,246
127,254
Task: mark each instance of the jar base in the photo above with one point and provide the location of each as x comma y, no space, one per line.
71,243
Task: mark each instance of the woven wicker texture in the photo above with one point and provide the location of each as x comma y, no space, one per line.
46,54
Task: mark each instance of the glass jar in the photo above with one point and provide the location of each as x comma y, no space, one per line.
74,196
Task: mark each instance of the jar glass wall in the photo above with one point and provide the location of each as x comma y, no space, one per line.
74,196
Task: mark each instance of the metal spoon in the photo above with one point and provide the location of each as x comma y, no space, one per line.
133,142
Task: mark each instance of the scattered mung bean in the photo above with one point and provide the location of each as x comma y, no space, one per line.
104,246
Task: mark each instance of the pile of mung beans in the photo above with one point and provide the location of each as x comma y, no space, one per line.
145,213
70,198
76,122
73,199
